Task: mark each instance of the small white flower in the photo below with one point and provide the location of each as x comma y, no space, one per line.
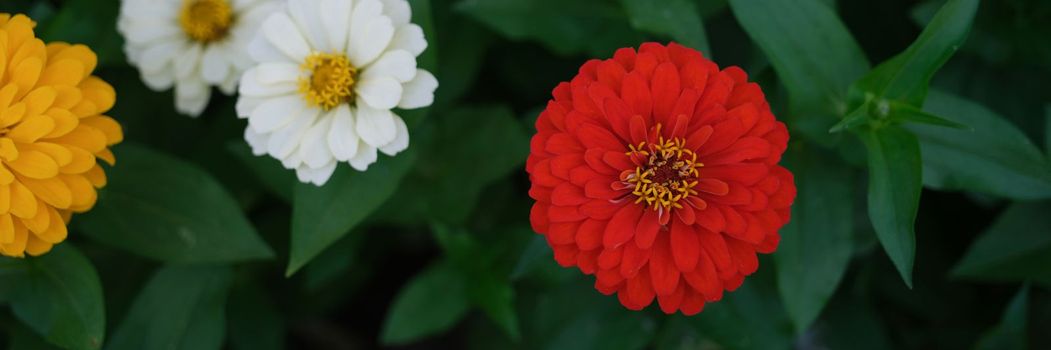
328,74
191,44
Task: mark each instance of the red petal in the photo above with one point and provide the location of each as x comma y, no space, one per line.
636,93
704,279
711,219
589,235
670,303
663,271
618,161
565,255
538,217
715,246
562,143
685,214
633,259
735,223
542,174
562,233
692,303
617,114
593,158
698,138
638,129
713,186
562,165
600,189
715,92
626,57
665,90
694,76
640,291
622,226
744,256
587,261
568,194
646,232
684,246
594,136
600,209
563,214
610,259
645,63
581,175
686,103
745,148
744,173
610,73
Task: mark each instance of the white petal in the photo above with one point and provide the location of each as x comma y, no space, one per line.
336,19
419,92
191,97
229,86
321,175
306,15
401,141
285,140
366,155
277,73
275,113
398,64
313,149
187,61
251,85
398,10
409,37
157,57
260,50
375,127
214,67
256,140
379,93
342,138
283,34
159,81
370,32
146,32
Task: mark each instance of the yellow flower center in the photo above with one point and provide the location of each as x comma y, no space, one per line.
668,173
331,80
206,20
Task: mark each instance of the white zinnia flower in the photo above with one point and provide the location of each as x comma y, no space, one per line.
191,44
329,73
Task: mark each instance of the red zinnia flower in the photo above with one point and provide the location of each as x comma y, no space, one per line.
657,172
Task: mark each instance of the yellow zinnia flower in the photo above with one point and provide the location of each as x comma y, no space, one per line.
51,131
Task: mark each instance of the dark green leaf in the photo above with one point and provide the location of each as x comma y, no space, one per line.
21,338
181,307
813,52
321,215
421,15
1047,129
994,158
333,262
901,112
678,19
496,298
895,181
164,208
905,77
594,26
456,166
432,302
749,318
276,178
1016,247
816,245
1010,333
87,22
255,322
59,296
860,116
536,252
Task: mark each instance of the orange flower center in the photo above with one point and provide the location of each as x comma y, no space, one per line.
667,173
331,82
206,20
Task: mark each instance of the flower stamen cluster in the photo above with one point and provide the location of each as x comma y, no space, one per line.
206,20
667,174
331,80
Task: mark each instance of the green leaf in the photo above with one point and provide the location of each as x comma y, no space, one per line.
334,262
535,253
859,117
454,166
811,49
255,322
87,22
164,208
902,112
749,318
322,215
1011,332
594,26
678,19
275,177
59,296
421,16
432,302
181,307
895,181
817,244
495,297
1016,247
1047,129
994,158
905,77
21,338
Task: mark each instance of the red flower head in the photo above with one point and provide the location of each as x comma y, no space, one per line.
657,172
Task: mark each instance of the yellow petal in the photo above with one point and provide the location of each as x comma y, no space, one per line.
37,247
85,108
5,199
34,164
53,48
32,128
26,74
7,229
64,122
113,131
80,53
84,194
56,228
39,100
61,154
19,29
8,151
12,114
7,94
96,176
6,176
18,247
107,156
23,204
30,49
67,97
40,221
98,92
82,161
86,137
52,191
65,73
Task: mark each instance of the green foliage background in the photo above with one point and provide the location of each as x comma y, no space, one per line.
196,244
